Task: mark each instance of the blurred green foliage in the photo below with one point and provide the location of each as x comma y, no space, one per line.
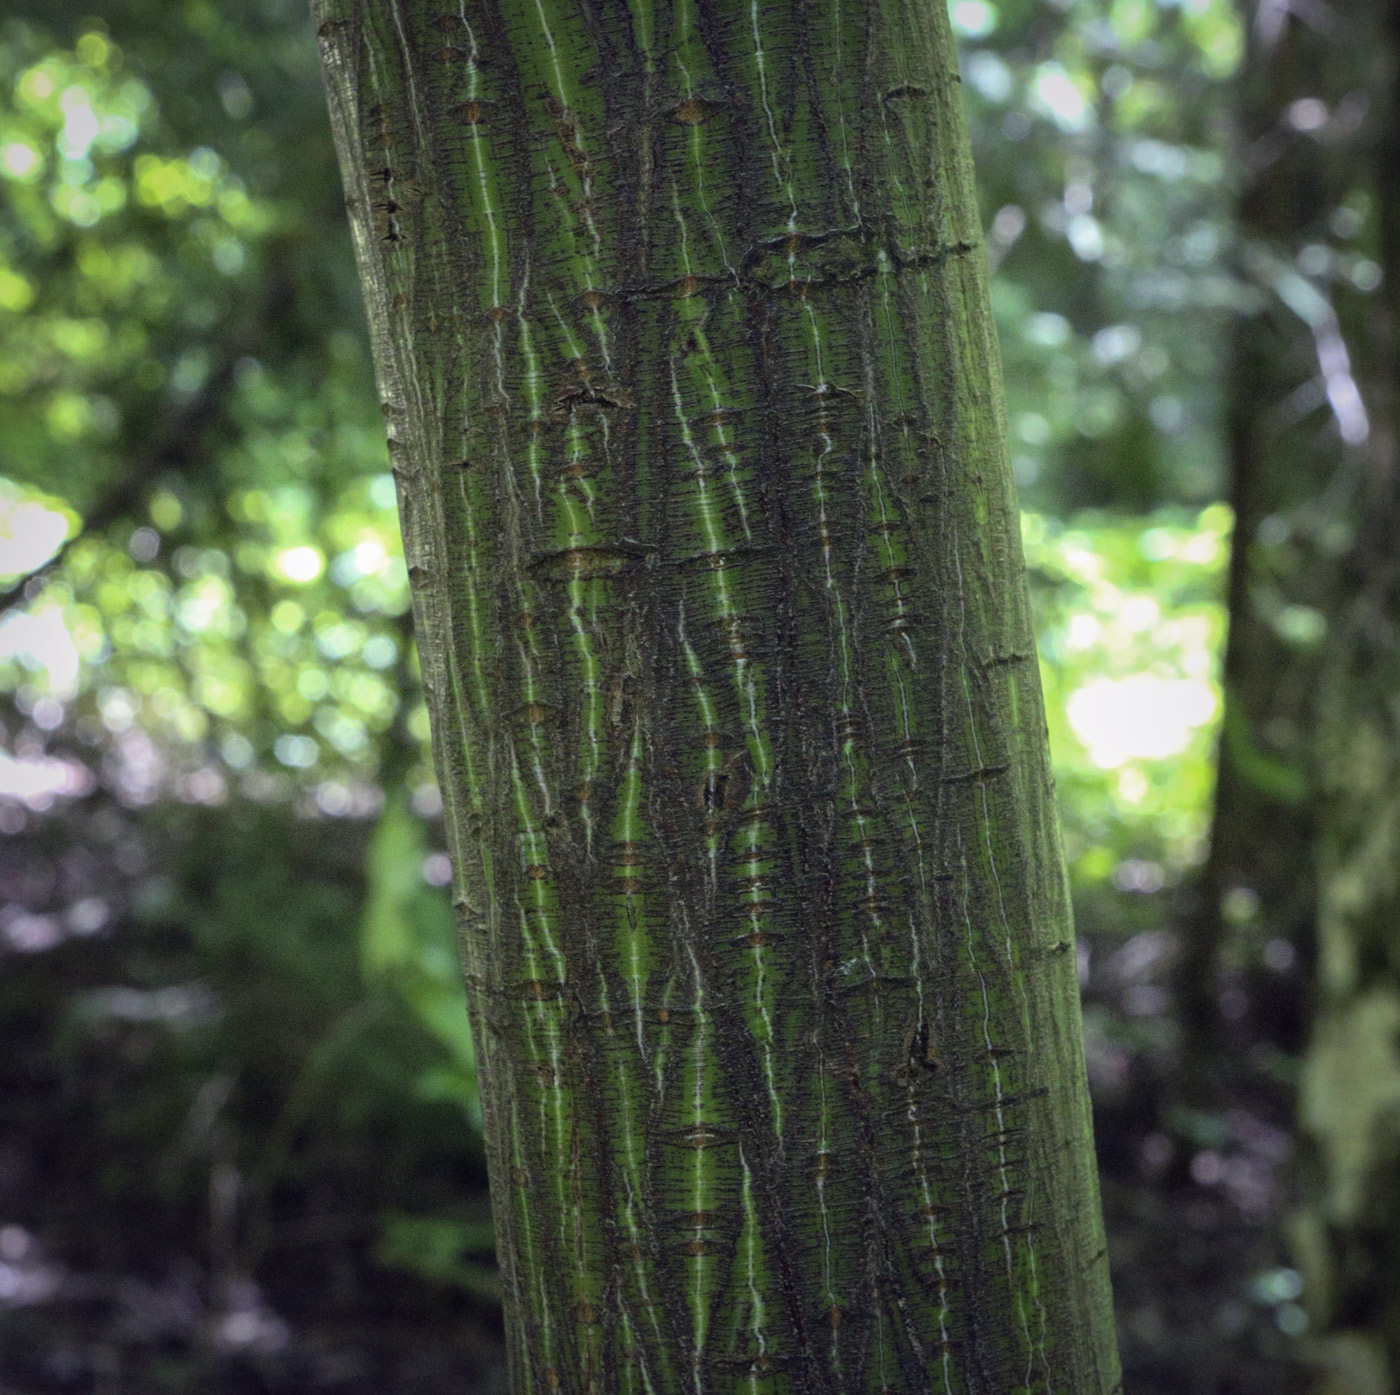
1130,620
237,959
246,637
1099,128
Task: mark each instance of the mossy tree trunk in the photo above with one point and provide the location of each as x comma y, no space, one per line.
1346,1232
692,395
1290,401
1307,820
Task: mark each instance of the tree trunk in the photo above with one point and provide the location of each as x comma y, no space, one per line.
1346,1232
1287,414
681,331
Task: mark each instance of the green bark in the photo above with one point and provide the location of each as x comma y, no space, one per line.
680,321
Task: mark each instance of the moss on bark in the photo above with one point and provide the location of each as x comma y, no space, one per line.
680,321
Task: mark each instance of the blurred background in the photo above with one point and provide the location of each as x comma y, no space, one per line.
239,1138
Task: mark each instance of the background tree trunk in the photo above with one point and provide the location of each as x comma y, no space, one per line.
1346,1233
1285,448
681,330
1306,835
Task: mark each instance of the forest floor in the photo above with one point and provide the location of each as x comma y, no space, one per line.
1193,1200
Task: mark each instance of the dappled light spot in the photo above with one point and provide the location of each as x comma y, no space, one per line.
30,533
1142,717
300,565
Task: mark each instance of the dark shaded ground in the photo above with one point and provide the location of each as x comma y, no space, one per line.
1193,1199
192,1179
203,1119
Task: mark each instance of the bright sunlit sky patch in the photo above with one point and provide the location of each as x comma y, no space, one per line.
973,19
41,642
30,532
300,565
1056,94
1141,717
39,780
